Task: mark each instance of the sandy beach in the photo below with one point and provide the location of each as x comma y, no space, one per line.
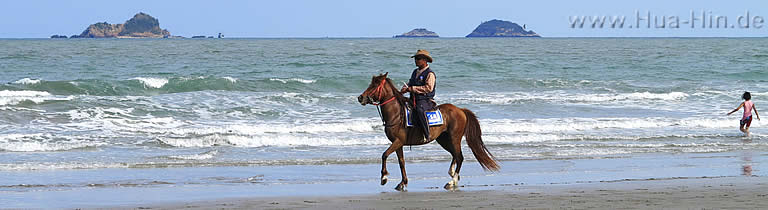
686,193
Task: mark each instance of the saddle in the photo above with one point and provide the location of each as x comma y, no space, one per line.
434,117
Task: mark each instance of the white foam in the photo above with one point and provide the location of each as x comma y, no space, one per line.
58,166
23,93
43,142
27,81
592,152
305,81
513,131
152,82
42,146
517,97
511,139
559,125
631,96
9,97
191,78
259,128
231,79
279,140
98,113
202,156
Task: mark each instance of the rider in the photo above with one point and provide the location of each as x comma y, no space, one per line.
422,89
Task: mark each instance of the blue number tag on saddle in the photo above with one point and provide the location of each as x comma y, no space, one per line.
434,118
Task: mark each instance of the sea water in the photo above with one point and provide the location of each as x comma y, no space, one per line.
113,114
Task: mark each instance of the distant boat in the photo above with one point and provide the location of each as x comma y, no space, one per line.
221,35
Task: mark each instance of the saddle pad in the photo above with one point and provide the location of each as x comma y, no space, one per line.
434,117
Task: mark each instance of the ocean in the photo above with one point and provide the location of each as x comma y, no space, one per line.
109,116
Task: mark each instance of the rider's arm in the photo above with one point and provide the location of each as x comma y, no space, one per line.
425,88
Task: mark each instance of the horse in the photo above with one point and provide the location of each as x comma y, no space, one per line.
458,122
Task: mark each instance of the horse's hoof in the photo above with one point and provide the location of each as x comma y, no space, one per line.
383,180
449,186
400,187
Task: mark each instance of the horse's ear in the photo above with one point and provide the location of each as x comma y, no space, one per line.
385,74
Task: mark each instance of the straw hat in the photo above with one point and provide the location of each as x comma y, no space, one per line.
425,53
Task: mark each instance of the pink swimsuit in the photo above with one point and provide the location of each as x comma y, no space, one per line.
747,109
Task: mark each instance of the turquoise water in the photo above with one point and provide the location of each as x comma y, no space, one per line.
78,106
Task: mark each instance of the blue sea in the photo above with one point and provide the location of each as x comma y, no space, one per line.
175,119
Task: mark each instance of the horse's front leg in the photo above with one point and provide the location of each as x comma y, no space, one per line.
401,160
397,144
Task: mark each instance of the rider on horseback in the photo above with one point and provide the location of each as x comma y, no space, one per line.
422,89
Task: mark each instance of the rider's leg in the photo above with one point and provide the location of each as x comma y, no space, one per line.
421,108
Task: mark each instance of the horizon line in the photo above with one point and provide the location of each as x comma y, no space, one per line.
390,37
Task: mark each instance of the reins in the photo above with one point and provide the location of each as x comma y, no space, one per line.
380,90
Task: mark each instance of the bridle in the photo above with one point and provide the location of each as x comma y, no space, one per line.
380,90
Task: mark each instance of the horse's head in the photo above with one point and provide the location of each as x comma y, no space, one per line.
374,91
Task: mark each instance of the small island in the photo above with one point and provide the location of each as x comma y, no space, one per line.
418,33
140,26
500,28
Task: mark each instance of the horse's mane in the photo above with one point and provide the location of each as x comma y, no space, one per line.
400,98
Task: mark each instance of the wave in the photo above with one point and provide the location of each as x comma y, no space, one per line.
201,156
27,81
284,81
560,96
605,139
152,82
155,85
177,132
271,141
9,97
45,142
263,134
35,166
585,124
231,79
369,131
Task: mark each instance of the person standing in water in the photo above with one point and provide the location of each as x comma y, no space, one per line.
746,119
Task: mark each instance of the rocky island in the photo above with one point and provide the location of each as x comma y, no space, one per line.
418,33
140,26
500,28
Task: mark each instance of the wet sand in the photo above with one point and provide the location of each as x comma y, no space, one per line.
673,193
688,180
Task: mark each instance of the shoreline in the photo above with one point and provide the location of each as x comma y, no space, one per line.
723,192
339,186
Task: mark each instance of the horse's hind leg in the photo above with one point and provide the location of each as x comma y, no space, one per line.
458,157
446,142
401,161
397,144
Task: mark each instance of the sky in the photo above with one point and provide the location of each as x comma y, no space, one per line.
348,18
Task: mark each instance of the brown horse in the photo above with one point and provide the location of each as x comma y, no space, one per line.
457,123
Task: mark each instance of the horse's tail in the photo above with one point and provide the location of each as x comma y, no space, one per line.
475,141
